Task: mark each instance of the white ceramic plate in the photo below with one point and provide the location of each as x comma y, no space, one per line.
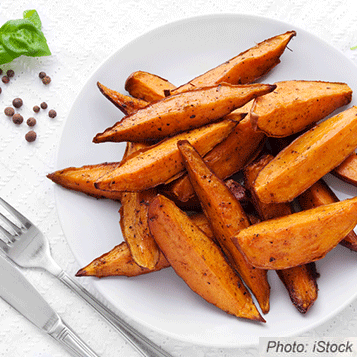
161,301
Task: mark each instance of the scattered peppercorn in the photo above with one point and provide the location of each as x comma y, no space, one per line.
17,118
17,102
43,105
10,73
52,113
31,121
30,136
5,79
0,90
36,108
0,71
42,74
9,111
46,80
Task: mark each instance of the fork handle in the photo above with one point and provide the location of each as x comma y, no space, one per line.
63,334
142,344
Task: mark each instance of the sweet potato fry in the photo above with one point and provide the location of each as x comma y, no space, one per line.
298,238
147,86
246,67
135,229
160,163
82,179
347,170
182,112
321,194
226,217
295,105
198,260
299,281
119,262
126,104
308,158
227,158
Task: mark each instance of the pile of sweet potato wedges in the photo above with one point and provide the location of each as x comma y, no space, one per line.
222,180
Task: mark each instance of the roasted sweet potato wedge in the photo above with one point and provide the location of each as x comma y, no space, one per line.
119,262
135,229
299,281
198,260
298,238
147,86
246,67
347,170
308,158
295,105
182,112
82,179
301,284
227,158
226,217
160,163
321,194
126,104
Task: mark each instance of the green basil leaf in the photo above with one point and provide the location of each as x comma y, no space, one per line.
33,16
21,37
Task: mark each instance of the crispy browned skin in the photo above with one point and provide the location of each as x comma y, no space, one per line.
299,281
126,104
298,238
147,86
227,158
226,217
301,284
82,179
182,112
295,105
119,262
321,194
198,260
347,170
308,158
160,163
246,67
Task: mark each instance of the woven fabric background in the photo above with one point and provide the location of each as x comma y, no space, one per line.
81,35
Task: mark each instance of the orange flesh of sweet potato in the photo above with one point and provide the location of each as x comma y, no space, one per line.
294,105
308,158
321,194
126,104
347,170
198,260
299,281
227,158
246,67
298,238
119,262
135,229
226,217
147,86
82,179
159,163
181,112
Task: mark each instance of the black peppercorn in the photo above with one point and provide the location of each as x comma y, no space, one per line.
46,80
17,102
31,121
36,108
52,113
30,136
10,73
9,111
43,105
5,79
17,118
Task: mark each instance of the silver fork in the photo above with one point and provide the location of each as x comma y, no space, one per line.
25,245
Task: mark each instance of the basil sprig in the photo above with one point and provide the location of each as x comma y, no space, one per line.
23,37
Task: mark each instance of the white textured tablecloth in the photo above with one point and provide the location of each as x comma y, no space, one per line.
81,34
